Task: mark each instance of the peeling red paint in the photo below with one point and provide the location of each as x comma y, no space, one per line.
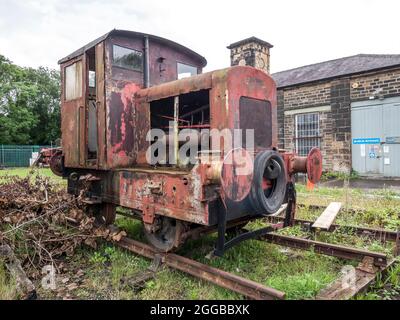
121,124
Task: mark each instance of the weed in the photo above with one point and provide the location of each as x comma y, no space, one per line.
7,285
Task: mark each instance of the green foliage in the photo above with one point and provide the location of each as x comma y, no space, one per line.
29,104
7,285
331,175
98,258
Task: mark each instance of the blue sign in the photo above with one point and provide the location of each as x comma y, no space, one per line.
366,140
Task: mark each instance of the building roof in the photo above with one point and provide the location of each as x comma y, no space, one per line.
134,34
249,40
336,68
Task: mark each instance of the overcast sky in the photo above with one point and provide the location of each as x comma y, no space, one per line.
40,32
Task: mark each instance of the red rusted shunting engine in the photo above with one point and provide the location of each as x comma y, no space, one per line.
125,85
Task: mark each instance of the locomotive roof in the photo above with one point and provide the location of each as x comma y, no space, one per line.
134,34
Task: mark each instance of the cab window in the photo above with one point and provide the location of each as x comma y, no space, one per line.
186,70
127,58
73,81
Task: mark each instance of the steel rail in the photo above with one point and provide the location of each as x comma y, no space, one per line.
216,276
379,234
329,249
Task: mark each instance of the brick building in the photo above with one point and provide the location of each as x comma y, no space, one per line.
349,107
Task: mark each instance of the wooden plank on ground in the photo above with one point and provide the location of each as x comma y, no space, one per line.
353,281
338,291
327,217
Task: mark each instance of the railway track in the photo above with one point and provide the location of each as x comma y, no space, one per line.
248,288
364,276
371,264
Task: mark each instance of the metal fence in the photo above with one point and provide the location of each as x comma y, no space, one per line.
17,155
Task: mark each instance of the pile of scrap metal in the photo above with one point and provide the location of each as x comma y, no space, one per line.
44,157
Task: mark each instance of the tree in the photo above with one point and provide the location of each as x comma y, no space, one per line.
16,118
29,104
45,105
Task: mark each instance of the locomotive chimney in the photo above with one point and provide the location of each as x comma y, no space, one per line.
252,52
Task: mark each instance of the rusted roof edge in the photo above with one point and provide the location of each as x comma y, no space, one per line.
132,34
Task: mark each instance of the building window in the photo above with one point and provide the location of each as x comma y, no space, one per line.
127,58
307,133
73,81
185,70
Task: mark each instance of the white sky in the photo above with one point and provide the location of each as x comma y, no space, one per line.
40,32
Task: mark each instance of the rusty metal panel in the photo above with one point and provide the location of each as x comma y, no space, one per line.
255,115
120,130
101,106
142,126
82,116
219,108
175,88
175,194
250,82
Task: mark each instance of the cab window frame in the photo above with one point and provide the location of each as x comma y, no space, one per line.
113,45
186,64
81,89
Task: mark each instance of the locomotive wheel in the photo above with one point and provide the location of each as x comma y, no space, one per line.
269,182
165,235
57,163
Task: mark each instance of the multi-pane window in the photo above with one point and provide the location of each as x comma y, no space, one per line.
73,81
127,58
185,70
307,133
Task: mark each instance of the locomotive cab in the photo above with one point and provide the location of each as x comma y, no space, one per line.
143,128
98,82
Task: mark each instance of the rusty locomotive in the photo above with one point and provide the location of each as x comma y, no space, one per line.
119,87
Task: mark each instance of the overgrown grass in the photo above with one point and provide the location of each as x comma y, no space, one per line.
110,271
339,175
300,274
7,284
24,172
376,208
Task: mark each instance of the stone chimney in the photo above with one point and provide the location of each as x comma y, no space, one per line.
251,52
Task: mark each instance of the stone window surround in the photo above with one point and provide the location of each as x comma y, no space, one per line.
326,108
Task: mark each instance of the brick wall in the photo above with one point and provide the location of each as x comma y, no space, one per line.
384,84
251,54
340,148
281,129
335,126
307,96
